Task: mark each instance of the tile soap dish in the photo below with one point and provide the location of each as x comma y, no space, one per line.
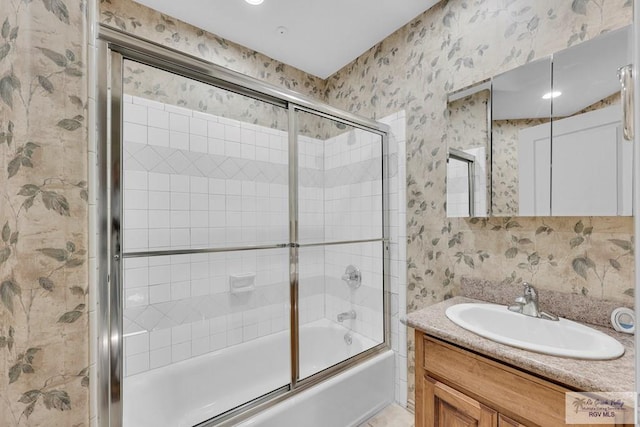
242,283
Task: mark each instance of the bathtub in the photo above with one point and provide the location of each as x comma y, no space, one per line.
186,393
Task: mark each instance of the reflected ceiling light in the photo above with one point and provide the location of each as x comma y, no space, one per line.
254,2
553,94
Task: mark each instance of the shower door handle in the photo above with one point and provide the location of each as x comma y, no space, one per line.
625,74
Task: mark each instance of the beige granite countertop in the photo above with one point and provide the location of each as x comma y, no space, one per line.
583,375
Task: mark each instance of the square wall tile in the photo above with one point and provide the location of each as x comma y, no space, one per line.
160,357
198,126
178,123
132,132
180,352
158,137
215,130
158,118
137,364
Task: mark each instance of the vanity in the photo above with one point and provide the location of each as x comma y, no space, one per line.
463,379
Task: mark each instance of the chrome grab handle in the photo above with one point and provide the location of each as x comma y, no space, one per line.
625,74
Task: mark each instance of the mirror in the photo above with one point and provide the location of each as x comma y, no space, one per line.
592,163
468,151
545,137
518,106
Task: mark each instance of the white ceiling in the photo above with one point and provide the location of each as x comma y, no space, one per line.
322,35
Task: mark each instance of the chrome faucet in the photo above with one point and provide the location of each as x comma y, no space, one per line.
527,304
351,314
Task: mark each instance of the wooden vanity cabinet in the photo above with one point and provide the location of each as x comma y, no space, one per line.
508,422
458,388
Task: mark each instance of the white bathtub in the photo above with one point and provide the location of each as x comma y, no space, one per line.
186,393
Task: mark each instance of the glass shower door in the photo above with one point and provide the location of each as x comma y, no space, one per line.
341,238
205,233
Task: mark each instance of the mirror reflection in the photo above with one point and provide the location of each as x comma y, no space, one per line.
591,173
552,132
519,104
468,152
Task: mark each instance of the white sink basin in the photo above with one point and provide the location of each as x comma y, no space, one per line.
558,338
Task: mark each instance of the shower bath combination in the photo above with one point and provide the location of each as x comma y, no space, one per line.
230,224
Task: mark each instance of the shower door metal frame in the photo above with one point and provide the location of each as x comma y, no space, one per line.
114,47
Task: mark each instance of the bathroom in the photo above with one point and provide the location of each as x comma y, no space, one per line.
53,311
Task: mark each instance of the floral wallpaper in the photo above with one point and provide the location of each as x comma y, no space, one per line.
159,85
44,353
451,46
467,121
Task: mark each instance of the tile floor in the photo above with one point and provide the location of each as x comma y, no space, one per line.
392,416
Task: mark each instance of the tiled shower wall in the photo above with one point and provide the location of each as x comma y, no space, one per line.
197,180
353,211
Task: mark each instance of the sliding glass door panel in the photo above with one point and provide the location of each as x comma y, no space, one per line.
248,246
341,304
205,333
205,271
203,167
340,181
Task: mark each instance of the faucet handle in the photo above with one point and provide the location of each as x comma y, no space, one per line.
529,290
352,276
527,304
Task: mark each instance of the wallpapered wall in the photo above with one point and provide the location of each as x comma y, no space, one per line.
160,85
451,46
505,137
43,214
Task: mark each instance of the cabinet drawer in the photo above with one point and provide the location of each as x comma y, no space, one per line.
516,394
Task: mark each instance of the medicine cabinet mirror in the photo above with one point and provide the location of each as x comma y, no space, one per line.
468,151
546,138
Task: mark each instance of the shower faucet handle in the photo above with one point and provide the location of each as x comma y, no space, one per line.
352,276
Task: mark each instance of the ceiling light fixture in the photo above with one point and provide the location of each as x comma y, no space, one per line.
550,95
254,2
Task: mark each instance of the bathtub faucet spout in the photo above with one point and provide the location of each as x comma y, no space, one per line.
351,314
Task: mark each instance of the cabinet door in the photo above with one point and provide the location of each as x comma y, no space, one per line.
446,407
508,422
